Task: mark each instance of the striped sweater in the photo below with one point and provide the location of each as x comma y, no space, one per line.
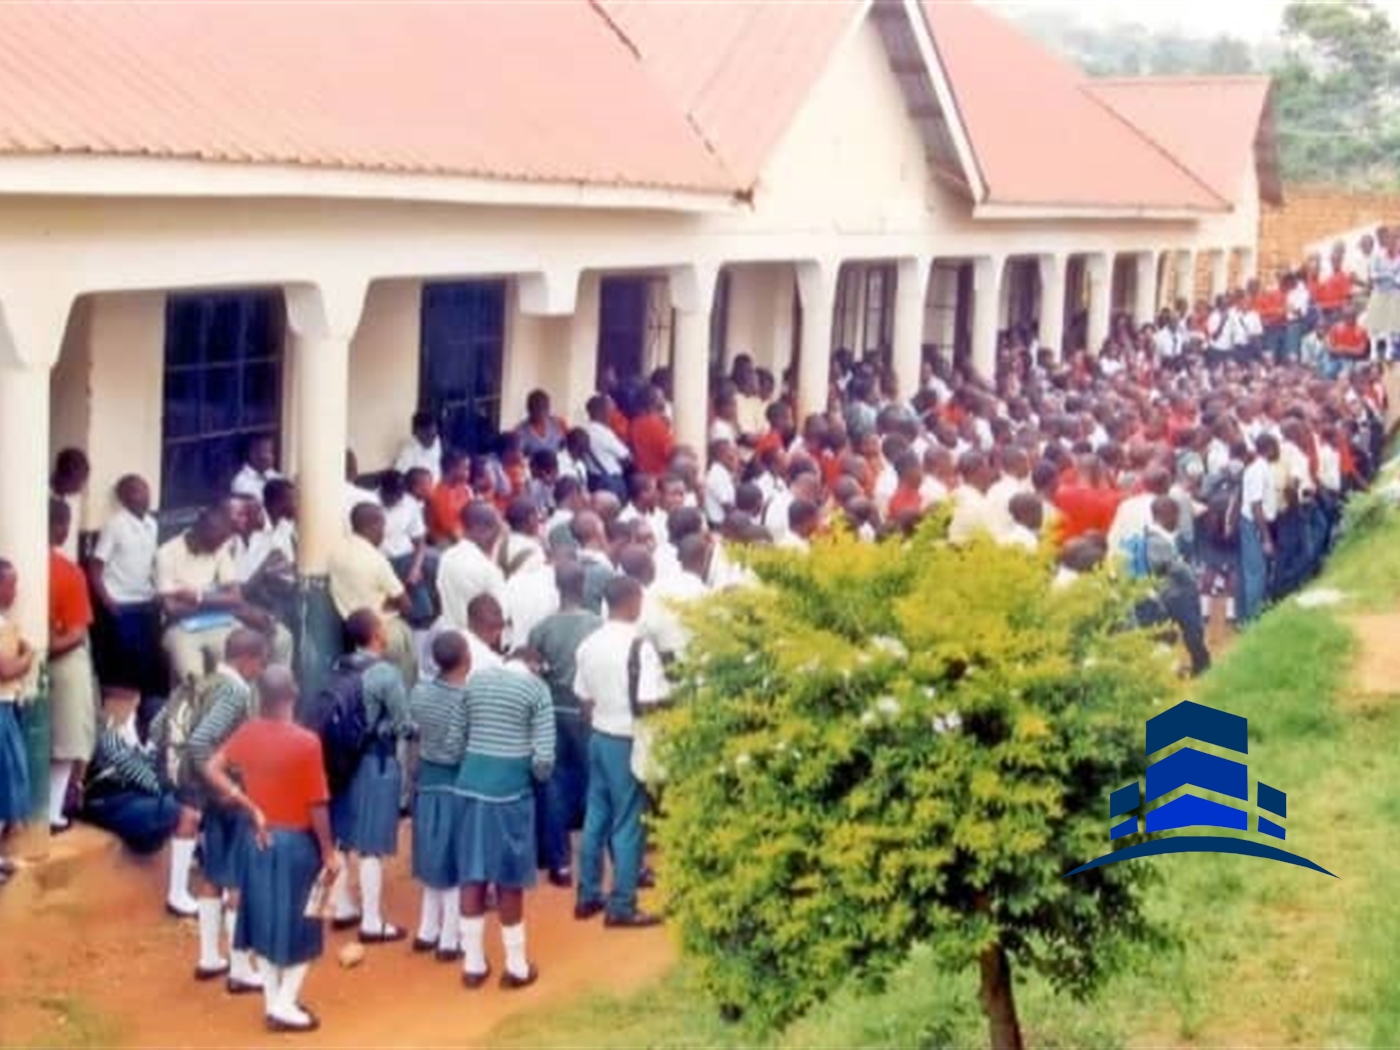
439,711
510,735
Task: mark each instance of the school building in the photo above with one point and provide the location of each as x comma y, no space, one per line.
309,220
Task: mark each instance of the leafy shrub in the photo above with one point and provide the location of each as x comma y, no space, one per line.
898,743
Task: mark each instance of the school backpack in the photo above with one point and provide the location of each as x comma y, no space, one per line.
338,717
171,729
1222,496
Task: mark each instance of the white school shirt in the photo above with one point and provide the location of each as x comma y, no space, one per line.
972,514
885,486
248,482
660,621
601,677
932,491
999,498
1258,487
1298,300
1297,468
1253,324
403,527
1130,520
414,456
719,492
531,596
464,572
775,518
354,496
1019,536
1166,342
607,448
127,549
1329,467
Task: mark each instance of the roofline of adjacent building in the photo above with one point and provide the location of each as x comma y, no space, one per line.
105,175
1049,210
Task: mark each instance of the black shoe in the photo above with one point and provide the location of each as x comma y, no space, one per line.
276,1024
236,987
635,921
476,980
447,955
59,829
511,983
387,934
423,947
349,922
585,910
646,879
201,974
561,877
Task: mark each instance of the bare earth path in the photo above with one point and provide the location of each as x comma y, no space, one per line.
88,957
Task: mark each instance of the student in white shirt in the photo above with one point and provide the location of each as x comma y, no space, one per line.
719,481
618,672
423,450
972,511
1258,509
258,470
122,573
405,541
1015,480
1027,516
1134,515
468,568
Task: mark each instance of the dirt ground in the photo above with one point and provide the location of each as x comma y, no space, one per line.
1376,673
89,958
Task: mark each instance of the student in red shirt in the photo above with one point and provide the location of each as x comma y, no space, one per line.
907,503
1088,506
652,440
1347,343
450,496
1333,295
284,791
74,736
1271,304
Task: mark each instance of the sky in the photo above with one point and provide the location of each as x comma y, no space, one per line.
1253,20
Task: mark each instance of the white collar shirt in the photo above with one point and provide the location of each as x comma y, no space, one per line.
414,455
601,677
127,549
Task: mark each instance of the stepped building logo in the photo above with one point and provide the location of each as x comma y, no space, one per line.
1191,767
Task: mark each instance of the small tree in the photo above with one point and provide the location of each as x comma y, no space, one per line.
899,743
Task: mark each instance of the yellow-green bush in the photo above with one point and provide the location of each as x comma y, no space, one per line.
890,744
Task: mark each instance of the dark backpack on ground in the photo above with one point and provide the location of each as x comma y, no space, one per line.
339,718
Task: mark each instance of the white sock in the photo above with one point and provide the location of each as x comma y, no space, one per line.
451,937
342,903
371,891
286,1008
430,917
1229,608
513,938
210,910
1205,606
240,962
474,944
181,861
271,983
59,774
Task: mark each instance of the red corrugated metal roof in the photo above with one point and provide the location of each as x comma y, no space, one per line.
1039,134
1219,148
501,90
740,69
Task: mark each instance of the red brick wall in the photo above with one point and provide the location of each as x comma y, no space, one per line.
1312,213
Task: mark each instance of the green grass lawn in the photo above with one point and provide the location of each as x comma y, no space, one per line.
1266,954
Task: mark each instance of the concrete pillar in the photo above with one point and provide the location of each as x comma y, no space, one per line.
581,349
911,290
31,334
988,274
1145,287
1219,272
692,290
1249,265
1052,303
1186,276
816,285
321,323
1098,270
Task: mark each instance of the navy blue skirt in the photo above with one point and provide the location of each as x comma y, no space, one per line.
16,799
437,812
496,843
225,839
365,817
277,883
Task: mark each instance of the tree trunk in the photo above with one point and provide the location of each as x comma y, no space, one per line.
998,1001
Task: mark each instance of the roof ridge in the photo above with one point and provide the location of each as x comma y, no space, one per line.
1170,79
1151,140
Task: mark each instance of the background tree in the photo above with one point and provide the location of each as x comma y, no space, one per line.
903,743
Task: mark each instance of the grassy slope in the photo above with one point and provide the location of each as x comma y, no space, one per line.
1269,954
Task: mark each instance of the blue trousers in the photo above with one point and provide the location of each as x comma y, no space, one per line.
560,802
614,823
143,822
1254,572
421,611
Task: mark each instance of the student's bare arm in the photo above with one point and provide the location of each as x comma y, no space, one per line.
321,828
96,567
216,772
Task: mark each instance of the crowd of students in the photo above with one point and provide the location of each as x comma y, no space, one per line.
509,618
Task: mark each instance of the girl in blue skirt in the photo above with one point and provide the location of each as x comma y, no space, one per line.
16,661
286,798
439,714
365,816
